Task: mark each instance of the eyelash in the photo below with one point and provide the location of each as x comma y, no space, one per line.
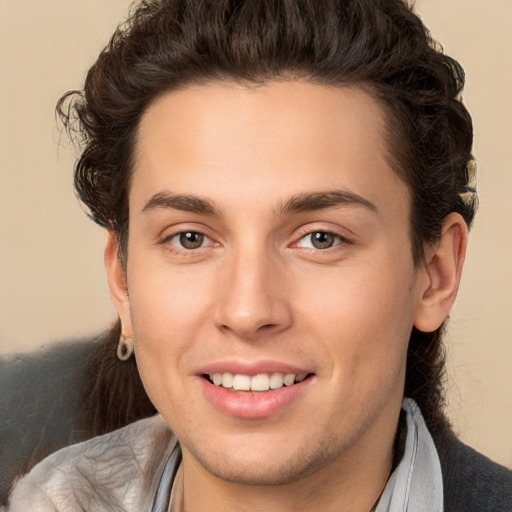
337,240
180,234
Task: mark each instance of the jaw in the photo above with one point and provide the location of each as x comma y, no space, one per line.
285,435
281,470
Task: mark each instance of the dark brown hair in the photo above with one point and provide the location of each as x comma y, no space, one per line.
380,45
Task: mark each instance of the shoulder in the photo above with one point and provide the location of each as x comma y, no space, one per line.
112,472
472,482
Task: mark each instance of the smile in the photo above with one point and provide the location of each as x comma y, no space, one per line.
255,395
261,382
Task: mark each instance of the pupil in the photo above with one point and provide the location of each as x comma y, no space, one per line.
191,240
322,240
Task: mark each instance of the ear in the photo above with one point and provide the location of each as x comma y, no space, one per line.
117,283
441,274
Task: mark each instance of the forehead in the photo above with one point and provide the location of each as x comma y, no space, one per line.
224,140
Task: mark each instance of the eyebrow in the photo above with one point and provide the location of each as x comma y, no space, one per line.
308,201
311,201
183,202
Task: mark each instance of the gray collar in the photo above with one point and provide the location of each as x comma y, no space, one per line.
416,485
164,489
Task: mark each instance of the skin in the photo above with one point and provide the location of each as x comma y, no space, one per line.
257,289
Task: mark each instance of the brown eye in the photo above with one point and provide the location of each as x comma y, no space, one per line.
191,240
322,239
188,240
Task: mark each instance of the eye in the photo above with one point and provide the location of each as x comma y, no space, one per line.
320,240
188,240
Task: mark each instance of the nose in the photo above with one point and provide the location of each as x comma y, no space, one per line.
252,296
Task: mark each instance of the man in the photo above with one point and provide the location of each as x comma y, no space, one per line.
287,192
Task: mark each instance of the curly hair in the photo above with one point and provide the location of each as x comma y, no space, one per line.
380,45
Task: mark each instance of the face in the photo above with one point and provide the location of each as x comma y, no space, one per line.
271,290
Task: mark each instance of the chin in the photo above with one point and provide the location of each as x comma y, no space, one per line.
265,474
265,464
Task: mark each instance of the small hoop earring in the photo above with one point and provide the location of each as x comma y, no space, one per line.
125,347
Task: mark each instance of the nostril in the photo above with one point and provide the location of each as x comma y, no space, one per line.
267,327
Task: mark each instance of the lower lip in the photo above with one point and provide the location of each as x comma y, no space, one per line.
253,404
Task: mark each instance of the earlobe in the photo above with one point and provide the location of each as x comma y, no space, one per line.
117,283
441,274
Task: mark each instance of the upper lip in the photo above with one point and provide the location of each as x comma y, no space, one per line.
251,368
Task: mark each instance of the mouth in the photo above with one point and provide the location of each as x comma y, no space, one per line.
261,382
252,393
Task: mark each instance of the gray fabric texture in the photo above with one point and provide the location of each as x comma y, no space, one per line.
416,484
116,472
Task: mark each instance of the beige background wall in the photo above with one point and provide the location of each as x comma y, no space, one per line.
52,281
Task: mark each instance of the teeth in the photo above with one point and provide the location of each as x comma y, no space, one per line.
260,382
242,383
227,379
289,379
276,381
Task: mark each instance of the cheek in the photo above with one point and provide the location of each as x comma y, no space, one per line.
361,318
168,304
165,312
171,313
